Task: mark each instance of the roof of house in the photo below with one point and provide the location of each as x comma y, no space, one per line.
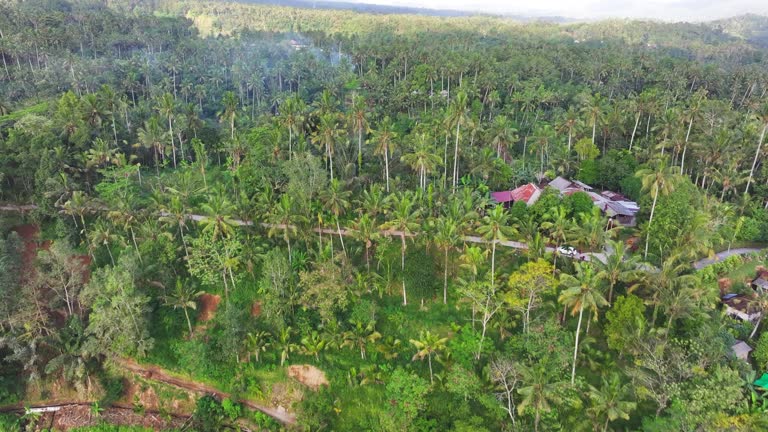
613,208
502,196
761,282
739,302
741,349
528,193
560,184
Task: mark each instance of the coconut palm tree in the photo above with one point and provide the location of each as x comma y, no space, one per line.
446,236
538,392
183,297
618,266
593,107
559,226
284,218
659,179
102,234
256,343
427,346
384,137
218,210
292,118
365,230
357,117
581,292
495,227
422,159
403,219
326,135
458,114
229,111
502,135
762,119
360,336
335,200
166,107
611,400
284,345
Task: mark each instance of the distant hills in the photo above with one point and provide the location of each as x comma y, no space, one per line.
386,9
750,27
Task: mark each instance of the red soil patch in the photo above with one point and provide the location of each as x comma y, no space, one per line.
308,375
78,416
208,305
256,309
30,234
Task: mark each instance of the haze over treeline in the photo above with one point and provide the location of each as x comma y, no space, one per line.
220,215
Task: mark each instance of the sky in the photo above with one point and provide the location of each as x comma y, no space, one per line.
668,10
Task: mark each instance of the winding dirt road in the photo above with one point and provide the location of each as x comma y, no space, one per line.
156,373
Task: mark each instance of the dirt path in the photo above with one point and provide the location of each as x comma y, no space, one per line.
698,265
159,374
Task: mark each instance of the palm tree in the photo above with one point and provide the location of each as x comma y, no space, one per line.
358,121
151,137
283,218
360,335
422,159
403,220
502,135
292,118
593,107
218,210
538,392
617,266
284,344
429,345
183,297
313,344
385,137
166,107
110,102
762,117
364,229
256,343
495,228
326,135
559,225
611,400
446,237
581,292
229,111
568,123
336,201
660,179
458,115
102,234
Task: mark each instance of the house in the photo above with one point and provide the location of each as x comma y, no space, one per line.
615,205
741,350
760,282
739,306
567,187
527,193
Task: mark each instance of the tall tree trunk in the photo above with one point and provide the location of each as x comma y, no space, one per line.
754,330
757,156
634,131
650,222
685,146
402,267
341,239
456,156
445,278
189,323
359,150
173,146
576,346
386,166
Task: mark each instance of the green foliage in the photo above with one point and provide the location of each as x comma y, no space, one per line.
626,318
407,393
578,203
761,352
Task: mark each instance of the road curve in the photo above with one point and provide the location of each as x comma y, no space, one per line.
700,264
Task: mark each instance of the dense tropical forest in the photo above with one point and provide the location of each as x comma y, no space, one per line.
222,216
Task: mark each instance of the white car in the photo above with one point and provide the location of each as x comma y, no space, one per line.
567,251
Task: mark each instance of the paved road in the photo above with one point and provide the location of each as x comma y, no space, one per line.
698,265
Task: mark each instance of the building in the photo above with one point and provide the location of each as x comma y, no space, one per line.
528,193
616,206
739,306
741,350
760,282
